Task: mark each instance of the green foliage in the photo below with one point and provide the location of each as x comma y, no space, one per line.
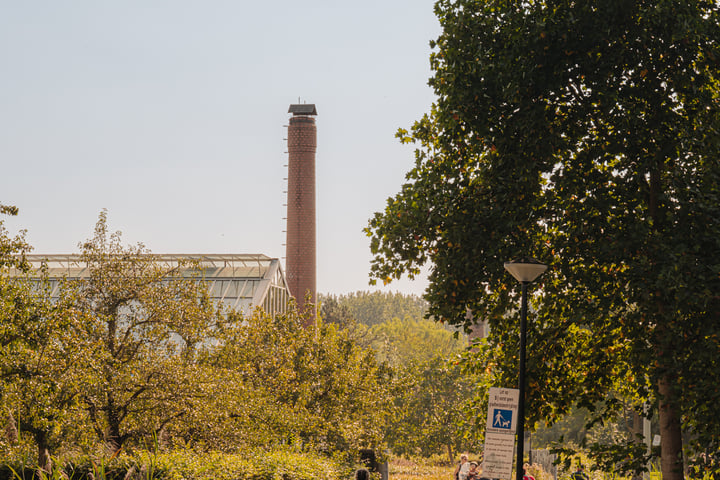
393,325
143,325
585,134
39,356
571,429
430,411
428,393
272,465
285,383
43,373
135,354
371,308
12,249
179,465
403,343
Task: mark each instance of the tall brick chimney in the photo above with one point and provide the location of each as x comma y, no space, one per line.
300,246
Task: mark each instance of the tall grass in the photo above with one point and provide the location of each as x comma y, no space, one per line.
186,465
420,469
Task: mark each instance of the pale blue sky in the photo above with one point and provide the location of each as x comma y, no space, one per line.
170,114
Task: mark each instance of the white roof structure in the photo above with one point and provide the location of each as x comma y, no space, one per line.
239,281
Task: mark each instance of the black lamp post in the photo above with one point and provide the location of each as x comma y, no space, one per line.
525,270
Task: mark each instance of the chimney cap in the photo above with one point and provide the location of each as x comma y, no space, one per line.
303,109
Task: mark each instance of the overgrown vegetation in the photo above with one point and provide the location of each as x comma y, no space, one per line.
137,356
431,399
184,464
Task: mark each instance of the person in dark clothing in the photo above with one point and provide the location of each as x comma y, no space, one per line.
362,474
580,474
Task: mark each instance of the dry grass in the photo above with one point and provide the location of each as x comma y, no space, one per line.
402,469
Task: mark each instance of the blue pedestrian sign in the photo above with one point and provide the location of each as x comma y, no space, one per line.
502,419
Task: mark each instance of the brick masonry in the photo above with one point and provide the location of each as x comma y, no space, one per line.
300,246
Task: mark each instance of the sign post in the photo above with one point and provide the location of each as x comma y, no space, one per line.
500,433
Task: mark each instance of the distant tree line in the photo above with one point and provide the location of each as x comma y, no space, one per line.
371,308
432,397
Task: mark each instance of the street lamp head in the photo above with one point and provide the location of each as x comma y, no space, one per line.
525,269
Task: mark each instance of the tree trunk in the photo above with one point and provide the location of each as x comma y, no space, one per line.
637,431
113,437
114,440
671,459
44,460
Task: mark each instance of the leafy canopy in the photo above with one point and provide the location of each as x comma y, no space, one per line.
585,134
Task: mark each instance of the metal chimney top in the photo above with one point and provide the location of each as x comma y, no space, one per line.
303,109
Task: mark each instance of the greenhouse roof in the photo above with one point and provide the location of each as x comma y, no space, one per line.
240,281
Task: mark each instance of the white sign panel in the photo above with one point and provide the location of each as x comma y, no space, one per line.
500,433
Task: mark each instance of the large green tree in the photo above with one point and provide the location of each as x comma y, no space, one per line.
585,134
367,317
42,367
147,325
42,348
33,394
281,382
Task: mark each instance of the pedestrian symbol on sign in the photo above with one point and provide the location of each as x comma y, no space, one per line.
502,418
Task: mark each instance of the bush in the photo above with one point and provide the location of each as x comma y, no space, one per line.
187,465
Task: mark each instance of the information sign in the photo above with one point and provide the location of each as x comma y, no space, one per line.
500,433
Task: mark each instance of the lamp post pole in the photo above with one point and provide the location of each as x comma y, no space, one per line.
521,387
525,270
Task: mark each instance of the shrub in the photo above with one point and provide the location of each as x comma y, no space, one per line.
188,465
